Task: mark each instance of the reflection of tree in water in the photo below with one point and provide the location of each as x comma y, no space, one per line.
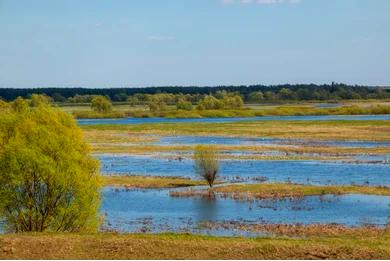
207,207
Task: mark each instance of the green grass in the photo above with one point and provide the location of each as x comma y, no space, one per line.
300,109
309,130
150,182
174,246
281,190
97,115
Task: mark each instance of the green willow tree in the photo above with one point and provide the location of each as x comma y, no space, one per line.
49,182
101,104
3,105
206,163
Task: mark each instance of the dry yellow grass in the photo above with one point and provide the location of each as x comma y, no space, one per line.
309,130
281,190
300,230
113,246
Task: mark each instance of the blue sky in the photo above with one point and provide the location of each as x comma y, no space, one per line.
117,43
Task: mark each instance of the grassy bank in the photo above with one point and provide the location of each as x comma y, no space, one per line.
281,190
147,182
308,130
299,230
251,111
169,246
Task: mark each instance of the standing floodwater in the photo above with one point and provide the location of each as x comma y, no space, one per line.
156,211
305,172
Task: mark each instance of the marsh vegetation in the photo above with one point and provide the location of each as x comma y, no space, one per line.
270,177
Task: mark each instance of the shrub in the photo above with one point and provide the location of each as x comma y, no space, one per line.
210,103
206,163
184,105
49,182
3,104
37,99
157,103
101,104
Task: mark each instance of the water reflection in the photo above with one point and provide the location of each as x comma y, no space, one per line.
156,211
304,172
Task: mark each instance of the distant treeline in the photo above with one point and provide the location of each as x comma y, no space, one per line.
253,93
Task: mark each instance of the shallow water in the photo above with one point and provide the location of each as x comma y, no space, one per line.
222,120
328,105
156,211
222,140
305,172
373,158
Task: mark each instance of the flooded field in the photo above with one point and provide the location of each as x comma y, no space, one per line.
238,119
220,140
155,211
304,172
299,159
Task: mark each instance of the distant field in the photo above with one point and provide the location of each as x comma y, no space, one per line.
121,110
310,130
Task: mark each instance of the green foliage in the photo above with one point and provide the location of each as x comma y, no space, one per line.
121,97
333,91
184,105
232,102
81,98
101,104
57,97
206,163
133,101
256,97
3,104
222,100
209,102
19,105
49,182
158,102
37,99
287,94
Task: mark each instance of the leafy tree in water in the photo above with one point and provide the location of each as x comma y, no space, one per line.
49,182
101,104
206,163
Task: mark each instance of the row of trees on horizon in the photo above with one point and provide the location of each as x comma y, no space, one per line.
249,94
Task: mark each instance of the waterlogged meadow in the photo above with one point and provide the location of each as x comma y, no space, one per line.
297,171
152,185
156,211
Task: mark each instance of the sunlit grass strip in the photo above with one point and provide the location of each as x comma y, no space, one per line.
137,145
300,230
281,190
176,246
148,182
289,110
307,130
